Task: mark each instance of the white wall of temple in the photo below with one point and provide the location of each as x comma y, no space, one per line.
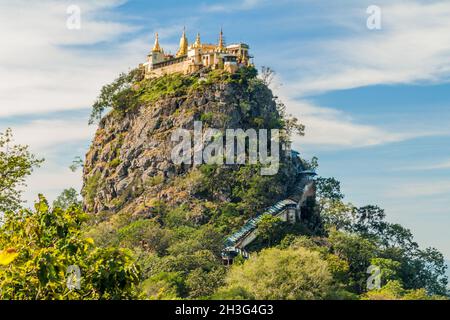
181,67
196,59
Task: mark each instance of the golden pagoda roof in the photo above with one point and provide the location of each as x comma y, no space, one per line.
157,47
197,43
221,45
183,50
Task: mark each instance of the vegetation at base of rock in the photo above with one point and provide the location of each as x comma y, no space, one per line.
394,290
47,242
275,274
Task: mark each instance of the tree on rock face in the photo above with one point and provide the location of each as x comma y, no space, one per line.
67,198
16,163
118,95
295,274
40,247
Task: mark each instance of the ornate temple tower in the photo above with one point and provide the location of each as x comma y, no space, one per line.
157,47
221,44
156,56
197,44
183,50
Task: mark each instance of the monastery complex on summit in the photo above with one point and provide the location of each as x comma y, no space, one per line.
191,58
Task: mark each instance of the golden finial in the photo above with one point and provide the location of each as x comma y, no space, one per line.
156,47
182,51
197,43
221,46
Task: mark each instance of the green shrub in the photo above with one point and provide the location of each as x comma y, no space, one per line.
46,243
115,163
296,274
120,95
90,188
164,286
174,85
154,181
207,117
146,234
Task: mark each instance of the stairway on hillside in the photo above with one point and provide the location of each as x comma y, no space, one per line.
233,244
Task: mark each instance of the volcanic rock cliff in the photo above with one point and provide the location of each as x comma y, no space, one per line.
129,169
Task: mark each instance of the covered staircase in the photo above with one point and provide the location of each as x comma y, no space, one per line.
234,245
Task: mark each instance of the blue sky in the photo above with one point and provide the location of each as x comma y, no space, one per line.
375,102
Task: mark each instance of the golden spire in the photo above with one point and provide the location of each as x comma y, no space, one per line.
156,47
197,43
221,46
183,45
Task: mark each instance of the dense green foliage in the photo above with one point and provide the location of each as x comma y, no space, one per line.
394,290
119,95
178,260
45,243
38,247
16,163
363,237
130,90
292,273
68,198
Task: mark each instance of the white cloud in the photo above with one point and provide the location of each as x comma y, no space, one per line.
53,140
44,135
413,46
429,167
418,189
442,165
46,67
233,6
329,128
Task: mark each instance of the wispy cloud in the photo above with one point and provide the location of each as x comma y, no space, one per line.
43,135
429,167
412,46
231,6
56,141
46,67
328,128
418,189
